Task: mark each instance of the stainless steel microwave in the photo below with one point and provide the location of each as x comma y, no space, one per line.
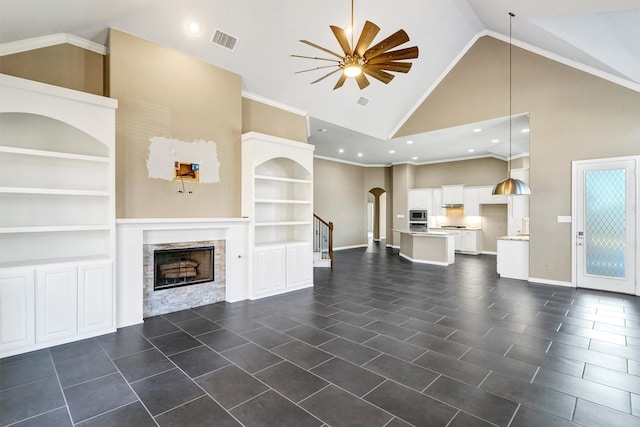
418,215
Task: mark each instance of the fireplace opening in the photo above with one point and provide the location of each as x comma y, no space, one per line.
181,267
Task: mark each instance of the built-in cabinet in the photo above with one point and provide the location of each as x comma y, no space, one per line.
57,221
467,241
277,197
452,194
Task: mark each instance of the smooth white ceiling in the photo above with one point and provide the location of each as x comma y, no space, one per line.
603,36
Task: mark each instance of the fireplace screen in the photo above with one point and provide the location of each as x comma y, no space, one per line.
180,267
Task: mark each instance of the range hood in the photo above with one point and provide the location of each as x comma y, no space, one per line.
453,205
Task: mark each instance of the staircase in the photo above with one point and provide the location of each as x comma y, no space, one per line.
322,242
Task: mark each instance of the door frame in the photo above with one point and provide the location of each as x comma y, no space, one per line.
574,211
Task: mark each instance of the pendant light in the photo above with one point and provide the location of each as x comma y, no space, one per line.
511,186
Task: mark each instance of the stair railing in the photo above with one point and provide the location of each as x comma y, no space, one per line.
323,238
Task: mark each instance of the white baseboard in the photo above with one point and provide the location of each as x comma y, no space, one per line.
342,248
421,261
489,253
551,282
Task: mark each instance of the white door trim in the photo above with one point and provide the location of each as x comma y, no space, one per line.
574,211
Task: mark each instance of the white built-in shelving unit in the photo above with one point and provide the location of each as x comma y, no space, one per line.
57,215
277,197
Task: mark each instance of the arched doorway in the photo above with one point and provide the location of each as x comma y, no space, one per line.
377,213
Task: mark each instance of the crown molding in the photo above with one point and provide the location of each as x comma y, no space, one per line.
348,162
26,45
273,103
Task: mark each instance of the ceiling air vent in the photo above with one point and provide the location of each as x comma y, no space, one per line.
224,40
363,101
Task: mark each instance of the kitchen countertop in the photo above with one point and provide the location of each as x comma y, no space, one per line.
456,228
519,237
438,233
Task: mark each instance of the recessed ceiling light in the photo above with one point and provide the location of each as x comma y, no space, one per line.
409,142
525,130
193,28
414,158
471,150
495,140
392,151
341,150
359,154
476,130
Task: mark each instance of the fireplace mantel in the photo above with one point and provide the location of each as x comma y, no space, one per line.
133,233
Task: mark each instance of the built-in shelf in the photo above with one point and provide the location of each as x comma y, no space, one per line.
280,243
53,154
55,261
281,223
54,191
283,179
292,202
53,229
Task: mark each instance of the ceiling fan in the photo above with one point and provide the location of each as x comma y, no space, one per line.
360,60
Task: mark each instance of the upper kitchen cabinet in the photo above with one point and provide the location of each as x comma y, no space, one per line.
471,202
452,194
420,198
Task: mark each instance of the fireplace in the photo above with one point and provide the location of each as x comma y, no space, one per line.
180,267
200,264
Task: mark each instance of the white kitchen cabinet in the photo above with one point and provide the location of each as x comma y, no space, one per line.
95,305
471,241
471,202
297,268
485,196
56,302
436,202
419,198
17,310
513,258
452,194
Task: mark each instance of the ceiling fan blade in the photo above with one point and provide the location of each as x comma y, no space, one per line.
369,32
395,39
325,76
315,68
362,81
399,67
395,55
340,82
341,35
321,48
315,57
383,76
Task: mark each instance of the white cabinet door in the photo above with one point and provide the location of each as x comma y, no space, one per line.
270,275
436,198
307,264
484,195
299,265
419,198
452,194
17,318
95,297
56,302
471,242
471,204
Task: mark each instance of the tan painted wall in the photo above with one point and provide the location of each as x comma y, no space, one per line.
494,224
62,65
573,116
165,93
403,178
339,196
263,118
486,171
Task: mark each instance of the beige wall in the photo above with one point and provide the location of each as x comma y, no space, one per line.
339,196
62,65
403,178
165,93
263,118
573,116
494,224
487,171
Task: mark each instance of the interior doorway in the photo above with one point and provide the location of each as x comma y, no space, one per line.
378,215
605,226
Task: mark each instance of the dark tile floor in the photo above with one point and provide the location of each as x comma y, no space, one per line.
377,342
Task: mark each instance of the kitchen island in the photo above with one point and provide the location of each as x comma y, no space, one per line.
428,247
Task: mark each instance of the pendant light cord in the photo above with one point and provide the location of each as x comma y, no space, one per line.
353,30
511,15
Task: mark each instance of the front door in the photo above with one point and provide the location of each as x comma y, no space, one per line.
605,224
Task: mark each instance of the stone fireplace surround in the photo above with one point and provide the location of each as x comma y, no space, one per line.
132,236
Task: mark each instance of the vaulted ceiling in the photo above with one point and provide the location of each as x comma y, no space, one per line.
601,37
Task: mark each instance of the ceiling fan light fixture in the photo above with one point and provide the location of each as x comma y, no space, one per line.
352,66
